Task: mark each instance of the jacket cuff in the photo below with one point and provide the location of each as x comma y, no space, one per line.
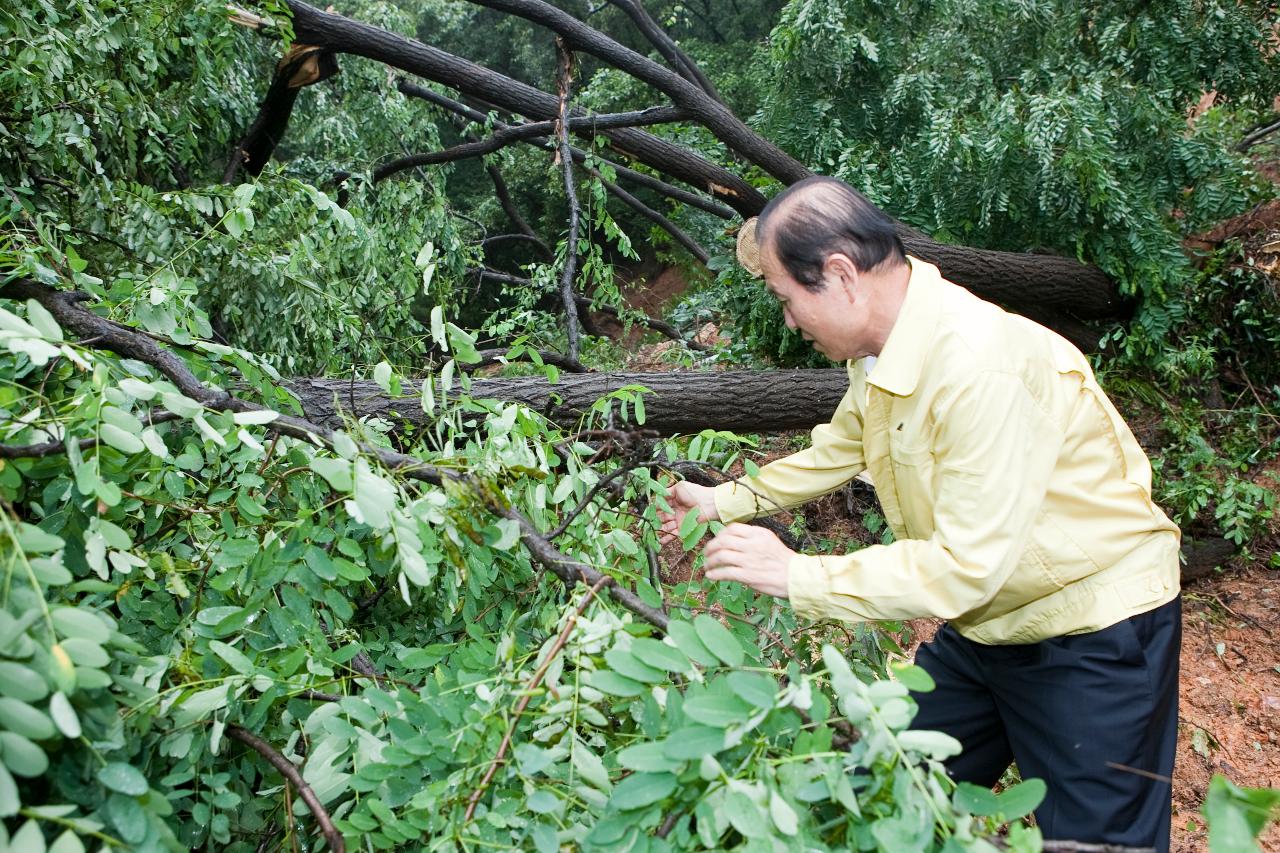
808,586
735,502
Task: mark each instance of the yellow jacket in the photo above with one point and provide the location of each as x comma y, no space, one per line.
1019,500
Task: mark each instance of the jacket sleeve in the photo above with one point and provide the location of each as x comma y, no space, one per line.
994,453
833,459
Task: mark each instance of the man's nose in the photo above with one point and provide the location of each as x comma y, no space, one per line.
791,321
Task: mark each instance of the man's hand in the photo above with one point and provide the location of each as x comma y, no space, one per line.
683,497
750,555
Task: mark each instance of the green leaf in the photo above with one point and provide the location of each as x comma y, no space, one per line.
542,801
67,842
375,498
64,716
25,720
754,688
382,376
624,663
610,682
128,816
693,742
10,802
180,404
22,682
74,622
120,439
717,709
686,639
1236,815
718,640
239,221
123,778
784,816
745,816
659,655
437,327
650,757
936,745
85,652
336,472
913,677
642,789
590,767
509,534
976,800
43,321
1021,799
233,657
22,756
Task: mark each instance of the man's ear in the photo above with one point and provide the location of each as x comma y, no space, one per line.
840,268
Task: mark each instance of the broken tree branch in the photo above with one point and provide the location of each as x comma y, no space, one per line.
579,156
564,82
533,685
679,61
509,134
343,35
331,835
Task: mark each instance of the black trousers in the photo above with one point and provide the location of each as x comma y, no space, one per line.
1093,715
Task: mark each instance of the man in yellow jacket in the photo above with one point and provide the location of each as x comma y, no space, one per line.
1021,509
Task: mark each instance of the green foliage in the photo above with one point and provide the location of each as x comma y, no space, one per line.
1236,815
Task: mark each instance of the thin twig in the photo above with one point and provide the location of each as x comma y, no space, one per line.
289,772
528,694
52,448
601,484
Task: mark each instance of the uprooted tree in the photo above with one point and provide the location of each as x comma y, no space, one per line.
252,608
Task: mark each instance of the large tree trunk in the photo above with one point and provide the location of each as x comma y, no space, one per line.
740,400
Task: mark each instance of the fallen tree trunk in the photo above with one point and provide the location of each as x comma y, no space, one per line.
740,400
745,401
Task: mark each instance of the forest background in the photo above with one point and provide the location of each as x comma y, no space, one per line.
282,572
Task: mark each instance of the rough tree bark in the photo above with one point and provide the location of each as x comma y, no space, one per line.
681,402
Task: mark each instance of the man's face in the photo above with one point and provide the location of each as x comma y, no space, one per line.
834,319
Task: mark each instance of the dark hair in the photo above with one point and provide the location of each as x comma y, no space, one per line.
811,220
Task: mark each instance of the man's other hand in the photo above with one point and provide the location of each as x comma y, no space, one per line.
750,555
683,497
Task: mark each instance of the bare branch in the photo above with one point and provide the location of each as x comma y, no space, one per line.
289,772
663,222
564,82
51,448
708,111
579,156
494,356
513,213
659,326
533,685
509,134
343,35
679,61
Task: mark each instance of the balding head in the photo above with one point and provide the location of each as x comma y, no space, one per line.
811,220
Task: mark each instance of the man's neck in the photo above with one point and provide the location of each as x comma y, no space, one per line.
890,289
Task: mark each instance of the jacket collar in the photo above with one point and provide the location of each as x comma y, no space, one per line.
898,368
